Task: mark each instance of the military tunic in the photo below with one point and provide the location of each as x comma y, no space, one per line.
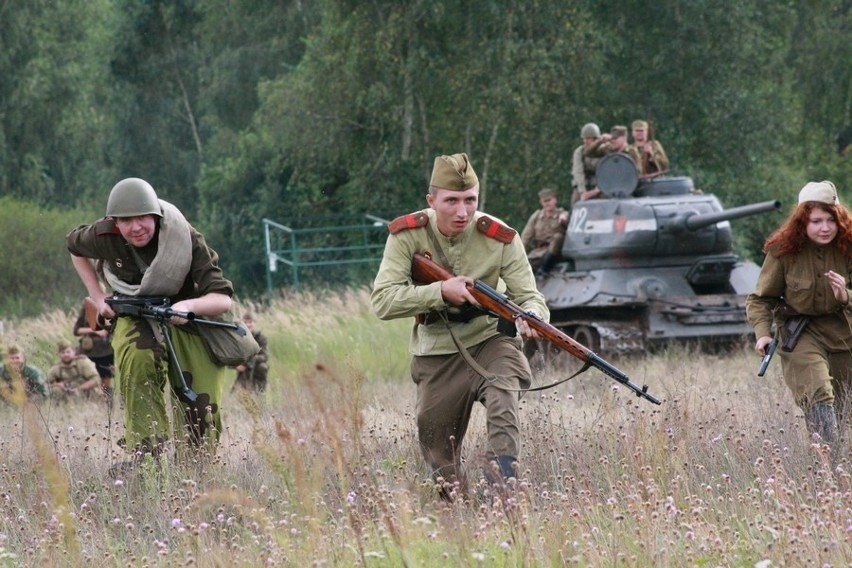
583,168
656,162
543,234
256,371
80,370
140,356
33,379
447,387
822,359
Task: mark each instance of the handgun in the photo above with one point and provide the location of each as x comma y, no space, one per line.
770,351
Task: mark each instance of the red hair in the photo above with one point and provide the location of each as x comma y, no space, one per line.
792,236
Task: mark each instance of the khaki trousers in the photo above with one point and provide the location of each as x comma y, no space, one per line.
815,375
447,389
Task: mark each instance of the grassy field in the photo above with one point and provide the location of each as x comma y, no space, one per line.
324,468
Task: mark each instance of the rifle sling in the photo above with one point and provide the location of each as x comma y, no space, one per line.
465,354
491,377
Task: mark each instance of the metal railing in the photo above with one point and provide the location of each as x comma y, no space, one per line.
328,246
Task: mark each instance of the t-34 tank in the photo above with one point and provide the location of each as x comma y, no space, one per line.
650,262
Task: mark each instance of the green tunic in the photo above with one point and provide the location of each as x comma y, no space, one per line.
32,377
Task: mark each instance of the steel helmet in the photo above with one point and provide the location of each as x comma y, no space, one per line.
132,197
590,130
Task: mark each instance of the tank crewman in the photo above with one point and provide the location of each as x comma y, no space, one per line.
253,375
95,344
652,156
544,233
614,141
807,271
148,248
583,166
448,342
73,375
15,366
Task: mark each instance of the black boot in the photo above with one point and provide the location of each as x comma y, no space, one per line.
822,420
506,467
546,265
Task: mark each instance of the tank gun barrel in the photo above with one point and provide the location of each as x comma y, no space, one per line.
698,221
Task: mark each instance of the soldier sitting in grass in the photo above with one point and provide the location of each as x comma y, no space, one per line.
252,375
74,375
15,367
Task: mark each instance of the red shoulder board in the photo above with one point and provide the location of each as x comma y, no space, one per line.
410,221
106,226
493,228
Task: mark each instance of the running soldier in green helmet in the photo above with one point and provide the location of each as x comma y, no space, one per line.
148,248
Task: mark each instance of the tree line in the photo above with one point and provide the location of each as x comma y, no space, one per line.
238,111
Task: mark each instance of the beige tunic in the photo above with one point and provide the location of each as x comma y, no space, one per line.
73,374
470,254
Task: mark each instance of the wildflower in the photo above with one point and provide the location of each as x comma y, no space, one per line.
175,523
689,535
350,498
118,483
505,545
478,556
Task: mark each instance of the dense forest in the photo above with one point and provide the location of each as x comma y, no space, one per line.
289,109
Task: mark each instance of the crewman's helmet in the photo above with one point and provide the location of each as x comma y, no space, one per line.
590,130
133,197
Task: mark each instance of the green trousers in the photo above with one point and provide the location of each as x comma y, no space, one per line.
143,368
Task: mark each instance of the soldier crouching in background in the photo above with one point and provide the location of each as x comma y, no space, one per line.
252,376
95,344
74,375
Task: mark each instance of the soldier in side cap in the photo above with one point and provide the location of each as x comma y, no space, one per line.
544,233
652,156
448,330
807,274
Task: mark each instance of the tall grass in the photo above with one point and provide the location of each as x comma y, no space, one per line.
324,468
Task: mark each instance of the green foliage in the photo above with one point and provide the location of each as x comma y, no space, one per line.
36,267
239,111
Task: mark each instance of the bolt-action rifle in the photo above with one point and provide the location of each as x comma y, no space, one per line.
158,309
426,271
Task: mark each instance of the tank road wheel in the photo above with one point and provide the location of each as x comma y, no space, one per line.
587,336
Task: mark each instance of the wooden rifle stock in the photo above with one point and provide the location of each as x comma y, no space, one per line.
93,318
425,271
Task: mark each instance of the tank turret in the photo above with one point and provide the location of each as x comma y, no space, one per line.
650,262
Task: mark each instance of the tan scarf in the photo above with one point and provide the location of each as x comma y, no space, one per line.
167,273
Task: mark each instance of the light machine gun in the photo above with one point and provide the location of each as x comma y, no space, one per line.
425,271
158,309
